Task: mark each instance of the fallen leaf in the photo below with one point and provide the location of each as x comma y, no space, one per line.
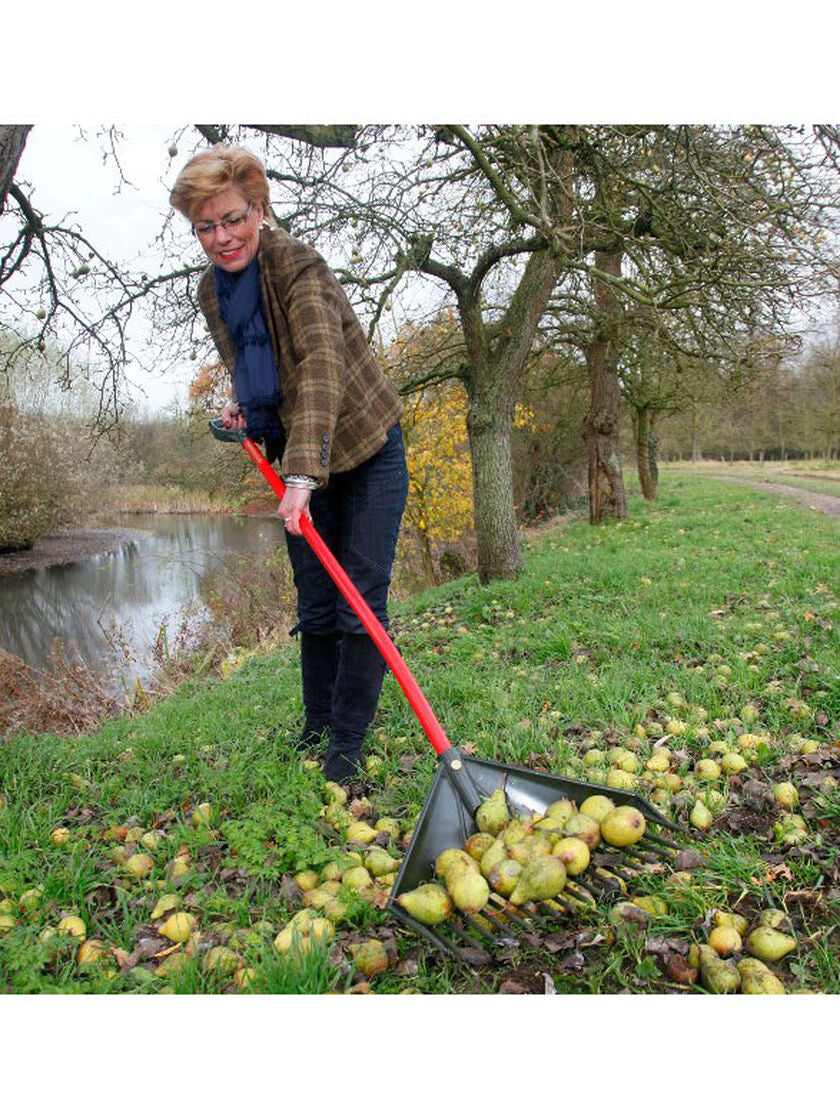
689,859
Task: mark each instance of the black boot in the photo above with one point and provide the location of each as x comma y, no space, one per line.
318,664
358,683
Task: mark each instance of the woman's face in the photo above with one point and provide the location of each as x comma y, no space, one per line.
232,248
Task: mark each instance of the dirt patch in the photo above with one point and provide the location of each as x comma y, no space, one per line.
65,547
819,502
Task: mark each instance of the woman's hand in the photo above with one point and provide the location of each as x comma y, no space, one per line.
232,418
294,504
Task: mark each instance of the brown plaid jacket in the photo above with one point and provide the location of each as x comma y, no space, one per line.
337,403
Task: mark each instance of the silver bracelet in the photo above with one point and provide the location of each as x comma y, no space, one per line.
300,481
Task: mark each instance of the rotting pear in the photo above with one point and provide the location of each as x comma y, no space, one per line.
786,795
574,853
357,878
476,844
369,957
502,877
775,919
720,977
306,880
527,848
542,877
452,856
360,832
493,813
722,919
178,927
584,827
623,826
429,904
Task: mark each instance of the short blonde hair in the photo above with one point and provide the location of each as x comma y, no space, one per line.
212,171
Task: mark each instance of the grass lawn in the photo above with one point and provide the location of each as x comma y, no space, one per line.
706,625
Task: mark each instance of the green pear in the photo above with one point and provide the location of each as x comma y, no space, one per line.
758,979
503,876
493,814
720,977
493,855
453,856
574,853
786,795
769,944
775,919
700,818
378,861
476,844
543,877
429,904
585,828
523,850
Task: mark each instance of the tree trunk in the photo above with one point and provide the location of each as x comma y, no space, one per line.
646,452
607,498
12,142
498,356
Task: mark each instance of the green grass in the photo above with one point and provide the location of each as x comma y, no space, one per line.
714,597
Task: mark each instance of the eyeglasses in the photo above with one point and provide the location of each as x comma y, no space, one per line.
232,222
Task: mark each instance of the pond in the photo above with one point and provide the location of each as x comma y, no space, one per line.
108,610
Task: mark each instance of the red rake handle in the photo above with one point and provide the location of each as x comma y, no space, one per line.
379,636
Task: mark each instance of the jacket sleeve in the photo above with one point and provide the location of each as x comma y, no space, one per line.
314,305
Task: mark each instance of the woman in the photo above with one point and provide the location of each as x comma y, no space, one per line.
306,383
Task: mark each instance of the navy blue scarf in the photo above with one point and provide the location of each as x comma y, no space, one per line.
255,380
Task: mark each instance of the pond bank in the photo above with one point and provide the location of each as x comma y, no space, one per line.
64,547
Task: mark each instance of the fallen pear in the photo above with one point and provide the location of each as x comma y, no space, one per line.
574,853
476,844
720,977
222,959
59,836
725,940
494,854
360,832
139,865
503,875
493,813
527,848
72,925
334,793
700,818
618,779
758,979
429,904
623,826
306,880
584,827
732,763
369,957
453,856
178,927
597,806
707,769
769,944
786,795
775,919
543,877
379,862
90,952
469,892
203,815
657,907
357,878
318,898
722,919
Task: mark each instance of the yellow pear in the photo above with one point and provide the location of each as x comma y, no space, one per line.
527,848
429,904
203,815
494,854
222,959
357,878
334,793
360,832
584,827
561,809
725,940
623,826
90,952
59,836
369,957
178,927
597,806
574,853
453,856
164,904
469,892
543,877
73,925
476,844
306,880
139,865
758,979
379,862
722,919
700,818
769,944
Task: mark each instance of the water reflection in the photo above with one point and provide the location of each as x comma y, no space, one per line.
157,579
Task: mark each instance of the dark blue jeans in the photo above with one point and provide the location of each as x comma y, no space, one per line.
358,515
